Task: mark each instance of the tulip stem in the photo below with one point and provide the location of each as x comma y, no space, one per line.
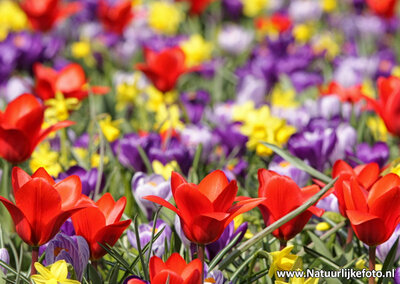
200,255
349,234
35,257
283,244
372,251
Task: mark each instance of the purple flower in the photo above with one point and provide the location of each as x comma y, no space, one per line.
397,276
5,257
143,185
383,249
346,139
88,178
227,236
378,153
329,203
73,250
145,232
230,139
232,8
195,103
235,168
193,136
15,87
234,39
282,167
68,228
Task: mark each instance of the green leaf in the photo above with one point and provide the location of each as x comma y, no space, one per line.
94,276
223,252
389,261
298,163
319,245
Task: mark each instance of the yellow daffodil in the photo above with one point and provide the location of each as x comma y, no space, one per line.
329,6
360,264
283,98
367,88
302,33
239,221
283,260
260,126
58,109
252,8
166,170
327,43
323,226
168,118
157,99
164,17
396,71
95,160
378,128
12,18
44,157
110,128
128,92
56,273
82,50
196,50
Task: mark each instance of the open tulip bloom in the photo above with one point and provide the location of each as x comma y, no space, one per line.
205,210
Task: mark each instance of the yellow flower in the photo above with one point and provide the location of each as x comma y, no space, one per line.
166,170
12,18
323,226
396,71
80,49
283,260
56,273
157,99
239,221
360,264
240,111
252,8
260,126
329,5
164,17
196,50
367,88
128,92
302,33
95,160
58,108
327,43
283,98
378,128
44,157
168,118
110,128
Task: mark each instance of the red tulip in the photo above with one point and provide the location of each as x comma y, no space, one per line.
164,68
351,94
197,6
283,196
41,205
375,214
175,269
101,224
383,8
71,81
21,128
115,18
44,14
205,210
388,104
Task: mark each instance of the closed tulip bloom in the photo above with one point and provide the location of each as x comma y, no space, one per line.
373,215
101,224
197,6
41,205
205,210
283,196
164,68
175,269
115,18
44,14
383,8
70,81
21,128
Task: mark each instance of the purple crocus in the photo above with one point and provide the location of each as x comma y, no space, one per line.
383,249
143,185
194,103
145,233
88,178
282,167
5,257
232,8
378,153
230,139
73,250
234,39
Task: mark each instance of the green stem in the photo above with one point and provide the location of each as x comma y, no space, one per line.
35,257
282,244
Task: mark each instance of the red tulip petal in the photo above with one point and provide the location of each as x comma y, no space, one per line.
290,229
191,202
340,167
192,272
45,78
88,222
225,199
41,173
21,107
359,196
206,229
100,90
387,207
108,235
369,229
71,78
242,207
70,190
167,276
39,202
106,204
15,146
309,191
18,178
176,263
367,174
117,211
213,184
263,178
384,184
156,265
68,10
162,202
45,132
176,180
22,226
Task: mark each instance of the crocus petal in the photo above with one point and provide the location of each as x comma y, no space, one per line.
213,184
